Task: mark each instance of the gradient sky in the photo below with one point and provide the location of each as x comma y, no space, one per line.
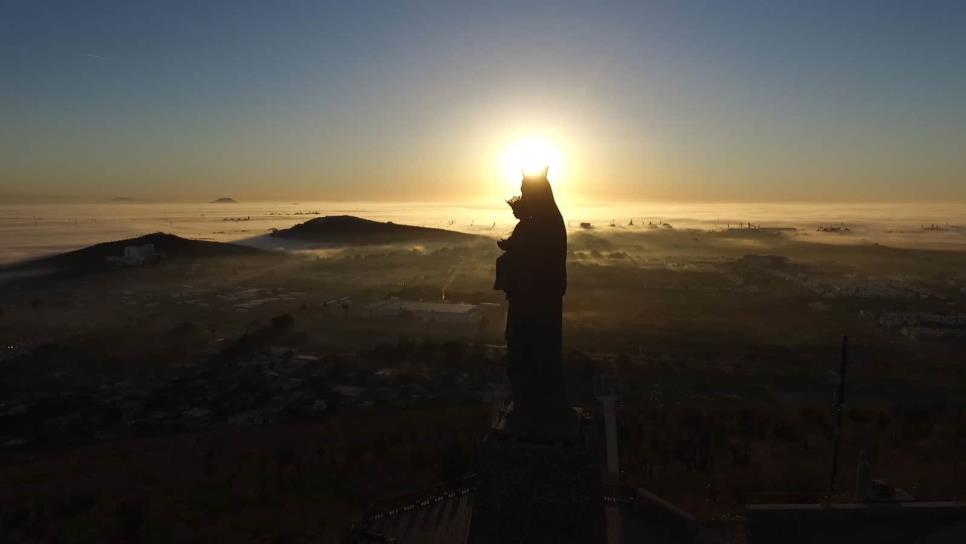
733,101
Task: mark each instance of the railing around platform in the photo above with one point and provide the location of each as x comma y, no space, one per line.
382,509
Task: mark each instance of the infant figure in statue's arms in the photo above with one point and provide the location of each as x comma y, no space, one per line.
511,248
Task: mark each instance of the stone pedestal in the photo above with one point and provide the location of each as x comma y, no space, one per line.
546,491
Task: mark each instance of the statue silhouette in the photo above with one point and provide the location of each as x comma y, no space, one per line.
533,273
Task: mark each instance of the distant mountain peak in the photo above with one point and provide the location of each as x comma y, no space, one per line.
349,229
224,200
168,246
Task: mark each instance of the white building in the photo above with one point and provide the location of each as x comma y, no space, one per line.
136,255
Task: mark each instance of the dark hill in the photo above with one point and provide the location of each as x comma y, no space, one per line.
224,200
347,229
167,246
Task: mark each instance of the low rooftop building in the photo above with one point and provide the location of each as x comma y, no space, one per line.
437,312
764,260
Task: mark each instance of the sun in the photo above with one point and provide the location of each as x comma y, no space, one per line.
531,156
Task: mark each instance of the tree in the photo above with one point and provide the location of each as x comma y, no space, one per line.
284,321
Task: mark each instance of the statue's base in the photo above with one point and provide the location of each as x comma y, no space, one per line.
562,425
532,490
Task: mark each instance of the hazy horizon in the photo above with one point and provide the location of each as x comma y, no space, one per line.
496,200
36,230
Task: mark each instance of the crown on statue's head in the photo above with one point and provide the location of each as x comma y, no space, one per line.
536,173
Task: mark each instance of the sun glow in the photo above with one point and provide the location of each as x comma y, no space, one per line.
531,156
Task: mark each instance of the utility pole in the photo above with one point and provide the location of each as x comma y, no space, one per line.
499,390
607,389
837,413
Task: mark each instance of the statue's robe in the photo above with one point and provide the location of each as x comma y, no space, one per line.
533,273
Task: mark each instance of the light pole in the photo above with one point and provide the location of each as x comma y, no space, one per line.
499,391
607,390
837,413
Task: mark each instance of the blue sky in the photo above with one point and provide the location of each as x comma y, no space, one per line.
417,100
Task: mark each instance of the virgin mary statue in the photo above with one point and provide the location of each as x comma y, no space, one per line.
533,272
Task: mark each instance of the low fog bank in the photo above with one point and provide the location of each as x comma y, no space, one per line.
35,230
